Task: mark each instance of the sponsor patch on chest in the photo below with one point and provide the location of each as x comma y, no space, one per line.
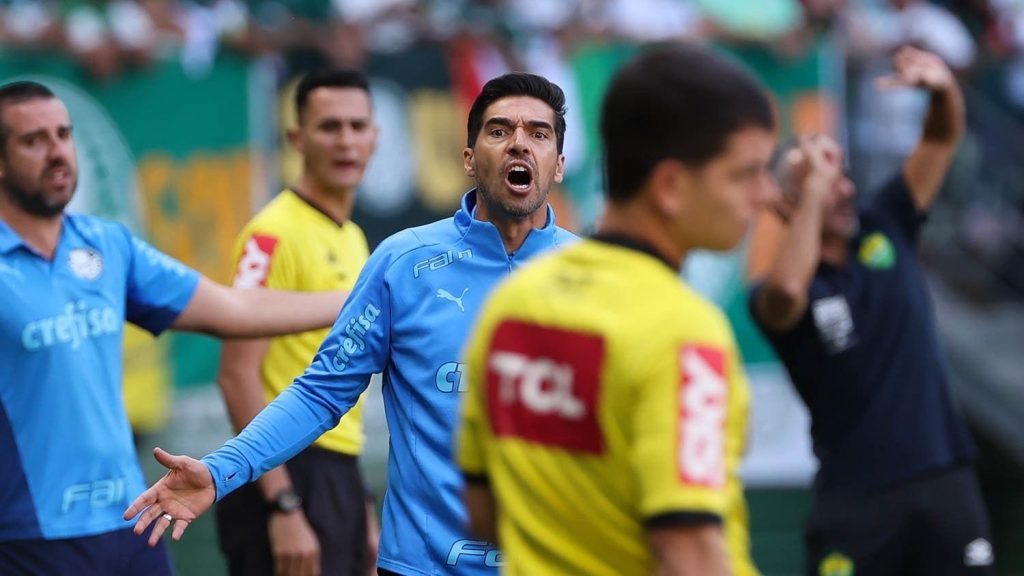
85,263
543,385
834,322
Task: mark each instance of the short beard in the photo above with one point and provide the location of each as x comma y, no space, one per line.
33,204
510,212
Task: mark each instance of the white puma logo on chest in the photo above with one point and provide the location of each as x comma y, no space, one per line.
442,293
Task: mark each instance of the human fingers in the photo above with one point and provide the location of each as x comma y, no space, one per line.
914,68
146,499
165,458
813,149
313,563
146,518
282,564
180,525
159,527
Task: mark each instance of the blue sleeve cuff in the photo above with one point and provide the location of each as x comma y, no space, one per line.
228,468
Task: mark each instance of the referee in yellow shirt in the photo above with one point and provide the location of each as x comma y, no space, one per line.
607,407
310,516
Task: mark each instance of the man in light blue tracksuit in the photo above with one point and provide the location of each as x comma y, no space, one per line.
407,317
68,285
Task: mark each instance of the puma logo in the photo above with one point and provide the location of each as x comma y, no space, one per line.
442,293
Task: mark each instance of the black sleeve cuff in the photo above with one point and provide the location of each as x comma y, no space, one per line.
681,519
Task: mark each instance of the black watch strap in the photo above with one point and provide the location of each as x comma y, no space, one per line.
287,500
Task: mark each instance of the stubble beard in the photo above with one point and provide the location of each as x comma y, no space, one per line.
33,203
510,210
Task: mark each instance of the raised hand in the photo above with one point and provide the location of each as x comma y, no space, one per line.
915,68
810,168
184,493
823,157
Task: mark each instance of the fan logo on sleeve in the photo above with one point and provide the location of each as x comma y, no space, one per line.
543,385
254,265
703,395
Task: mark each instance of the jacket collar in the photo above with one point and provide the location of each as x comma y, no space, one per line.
485,235
9,239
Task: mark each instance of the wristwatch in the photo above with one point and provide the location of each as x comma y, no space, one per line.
285,501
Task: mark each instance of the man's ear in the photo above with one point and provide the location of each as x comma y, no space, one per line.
560,168
467,162
670,185
295,140
375,129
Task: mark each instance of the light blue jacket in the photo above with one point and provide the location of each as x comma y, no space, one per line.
407,317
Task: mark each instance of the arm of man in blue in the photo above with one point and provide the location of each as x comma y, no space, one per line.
150,302
356,348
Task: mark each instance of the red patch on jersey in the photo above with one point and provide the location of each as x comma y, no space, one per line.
254,265
543,385
703,401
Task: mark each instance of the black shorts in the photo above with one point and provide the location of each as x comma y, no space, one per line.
333,500
935,525
119,552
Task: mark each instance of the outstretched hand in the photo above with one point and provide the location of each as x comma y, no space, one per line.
916,68
184,493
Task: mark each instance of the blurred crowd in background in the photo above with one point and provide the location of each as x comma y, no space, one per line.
109,36
983,40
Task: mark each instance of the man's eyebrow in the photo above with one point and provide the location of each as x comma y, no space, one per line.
503,121
30,134
339,119
38,131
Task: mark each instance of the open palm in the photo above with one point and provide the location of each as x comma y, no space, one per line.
182,495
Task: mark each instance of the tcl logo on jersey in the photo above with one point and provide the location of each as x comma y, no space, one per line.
543,385
703,395
254,265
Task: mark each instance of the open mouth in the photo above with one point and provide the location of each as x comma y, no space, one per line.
519,177
58,175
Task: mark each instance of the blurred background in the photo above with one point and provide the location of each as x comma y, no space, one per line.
180,106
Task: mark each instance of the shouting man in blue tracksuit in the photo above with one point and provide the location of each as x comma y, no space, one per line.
407,317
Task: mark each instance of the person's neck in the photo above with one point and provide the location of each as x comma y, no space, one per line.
513,231
337,204
42,233
633,221
835,251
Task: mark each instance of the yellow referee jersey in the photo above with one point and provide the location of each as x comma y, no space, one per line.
603,394
291,245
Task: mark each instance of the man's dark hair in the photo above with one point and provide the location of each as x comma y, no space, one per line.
675,101
16,93
332,78
517,84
